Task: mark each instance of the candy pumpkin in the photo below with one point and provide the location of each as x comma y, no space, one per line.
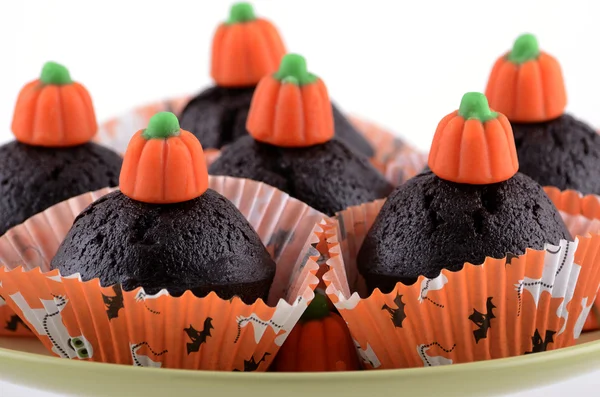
54,111
319,342
291,108
526,84
245,48
163,164
474,145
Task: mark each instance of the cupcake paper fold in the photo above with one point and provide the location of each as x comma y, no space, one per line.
505,307
83,320
581,215
397,160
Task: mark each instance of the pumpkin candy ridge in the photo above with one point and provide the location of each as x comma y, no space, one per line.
54,111
474,145
244,48
321,341
163,164
526,84
291,108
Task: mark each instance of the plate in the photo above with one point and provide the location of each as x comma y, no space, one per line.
24,361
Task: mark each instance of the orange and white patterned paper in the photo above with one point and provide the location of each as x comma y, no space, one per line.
397,160
505,307
581,215
10,323
85,321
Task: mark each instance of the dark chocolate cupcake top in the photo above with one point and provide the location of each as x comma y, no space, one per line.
165,229
564,153
329,177
471,204
292,145
52,158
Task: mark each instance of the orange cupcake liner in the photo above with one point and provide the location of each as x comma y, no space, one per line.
397,160
84,320
581,215
11,324
506,307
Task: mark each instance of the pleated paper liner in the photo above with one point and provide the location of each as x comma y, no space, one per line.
506,307
11,324
397,160
82,320
581,214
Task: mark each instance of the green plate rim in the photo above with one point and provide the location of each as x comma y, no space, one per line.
519,361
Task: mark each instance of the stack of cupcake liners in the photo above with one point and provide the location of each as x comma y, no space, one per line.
395,158
84,320
504,307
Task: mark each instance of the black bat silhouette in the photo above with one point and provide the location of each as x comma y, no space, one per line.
13,323
198,337
509,258
113,303
482,321
251,365
540,345
397,315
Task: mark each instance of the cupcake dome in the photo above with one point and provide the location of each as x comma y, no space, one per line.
52,158
470,204
292,145
554,148
165,229
217,116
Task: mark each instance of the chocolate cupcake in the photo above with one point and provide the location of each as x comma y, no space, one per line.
52,158
472,204
293,148
217,116
165,229
554,148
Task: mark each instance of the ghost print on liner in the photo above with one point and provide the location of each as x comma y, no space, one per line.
469,315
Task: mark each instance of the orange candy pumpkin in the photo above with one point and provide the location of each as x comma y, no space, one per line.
526,84
321,341
54,111
245,48
163,164
474,145
291,108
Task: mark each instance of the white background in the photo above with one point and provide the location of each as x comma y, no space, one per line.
404,64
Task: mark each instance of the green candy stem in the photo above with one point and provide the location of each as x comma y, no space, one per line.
240,13
55,74
317,309
526,48
474,105
292,69
162,125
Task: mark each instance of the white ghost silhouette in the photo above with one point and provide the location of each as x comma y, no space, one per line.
582,317
48,321
559,277
431,284
140,360
433,361
367,355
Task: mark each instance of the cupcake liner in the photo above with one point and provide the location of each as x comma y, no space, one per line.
506,307
11,324
397,160
83,320
581,215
